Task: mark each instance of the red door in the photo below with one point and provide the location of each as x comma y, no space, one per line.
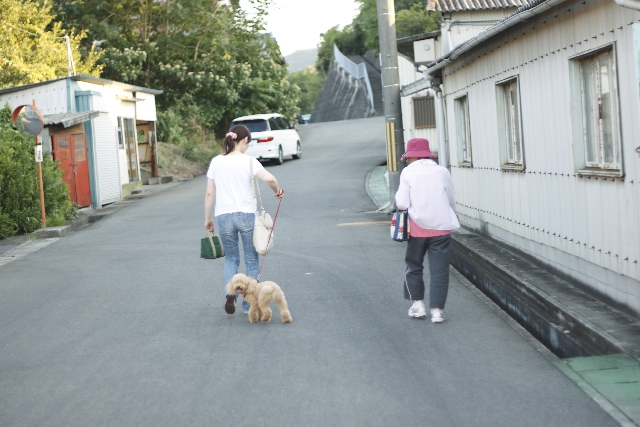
70,151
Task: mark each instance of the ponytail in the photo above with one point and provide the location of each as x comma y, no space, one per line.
236,134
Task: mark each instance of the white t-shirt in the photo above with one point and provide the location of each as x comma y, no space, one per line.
231,174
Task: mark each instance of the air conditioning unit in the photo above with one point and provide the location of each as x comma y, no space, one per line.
424,50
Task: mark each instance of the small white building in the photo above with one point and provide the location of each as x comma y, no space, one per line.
542,129
418,104
112,123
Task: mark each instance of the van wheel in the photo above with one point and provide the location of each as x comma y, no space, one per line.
298,151
280,158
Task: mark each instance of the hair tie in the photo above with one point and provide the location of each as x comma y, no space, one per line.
233,135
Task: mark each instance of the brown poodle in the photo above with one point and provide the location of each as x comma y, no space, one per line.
258,295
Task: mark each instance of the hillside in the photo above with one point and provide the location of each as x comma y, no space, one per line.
301,59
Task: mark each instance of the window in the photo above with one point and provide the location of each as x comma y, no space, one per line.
282,122
595,115
120,137
257,125
273,124
463,130
509,124
599,115
424,112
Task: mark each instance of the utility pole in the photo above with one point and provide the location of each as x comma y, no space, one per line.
391,95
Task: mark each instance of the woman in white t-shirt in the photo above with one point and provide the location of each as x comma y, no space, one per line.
229,183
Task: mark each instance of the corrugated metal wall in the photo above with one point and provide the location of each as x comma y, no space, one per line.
409,74
107,157
587,227
50,98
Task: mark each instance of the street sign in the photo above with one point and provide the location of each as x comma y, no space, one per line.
28,118
39,153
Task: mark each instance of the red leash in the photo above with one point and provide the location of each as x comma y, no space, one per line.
269,240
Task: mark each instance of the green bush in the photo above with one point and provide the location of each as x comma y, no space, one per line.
19,190
184,126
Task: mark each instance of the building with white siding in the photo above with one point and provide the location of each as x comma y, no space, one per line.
107,124
418,106
542,123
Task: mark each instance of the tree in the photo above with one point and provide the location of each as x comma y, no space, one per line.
415,20
32,45
211,59
310,82
349,40
362,34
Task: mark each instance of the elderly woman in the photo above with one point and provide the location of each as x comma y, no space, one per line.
229,183
426,191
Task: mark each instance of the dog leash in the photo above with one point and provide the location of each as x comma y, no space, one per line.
275,218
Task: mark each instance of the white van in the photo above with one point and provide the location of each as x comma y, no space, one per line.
272,137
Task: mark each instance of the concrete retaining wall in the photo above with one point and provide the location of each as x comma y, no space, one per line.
343,97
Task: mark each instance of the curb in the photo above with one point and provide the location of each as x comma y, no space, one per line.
567,320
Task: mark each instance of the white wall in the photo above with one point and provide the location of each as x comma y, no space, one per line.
110,103
146,110
50,98
409,74
106,144
547,209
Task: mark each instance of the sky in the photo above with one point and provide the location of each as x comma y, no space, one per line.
297,24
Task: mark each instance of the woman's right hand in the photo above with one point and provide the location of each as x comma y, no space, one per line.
279,194
208,225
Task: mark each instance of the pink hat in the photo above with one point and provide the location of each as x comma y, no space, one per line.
418,148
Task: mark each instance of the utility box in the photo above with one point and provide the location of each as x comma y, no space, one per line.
424,50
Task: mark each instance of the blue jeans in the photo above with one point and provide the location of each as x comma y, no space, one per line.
229,225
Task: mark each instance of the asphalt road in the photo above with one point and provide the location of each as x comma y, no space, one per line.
121,323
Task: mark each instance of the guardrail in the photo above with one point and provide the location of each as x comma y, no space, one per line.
359,71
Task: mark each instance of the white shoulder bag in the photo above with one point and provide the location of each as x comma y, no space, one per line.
263,227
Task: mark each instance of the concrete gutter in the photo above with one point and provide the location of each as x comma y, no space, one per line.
567,320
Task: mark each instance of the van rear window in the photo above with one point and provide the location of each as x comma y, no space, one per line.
258,125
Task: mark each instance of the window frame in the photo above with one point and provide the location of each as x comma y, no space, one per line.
461,105
579,117
506,124
429,122
120,134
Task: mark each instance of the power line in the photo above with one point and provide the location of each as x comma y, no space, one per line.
71,66
28,32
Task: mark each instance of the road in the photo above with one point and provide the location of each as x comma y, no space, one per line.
121,324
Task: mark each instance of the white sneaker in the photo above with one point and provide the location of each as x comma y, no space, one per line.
436,316
418,311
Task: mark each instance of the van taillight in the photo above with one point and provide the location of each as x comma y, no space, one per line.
267,139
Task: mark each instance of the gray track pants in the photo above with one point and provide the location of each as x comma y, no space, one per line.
438,250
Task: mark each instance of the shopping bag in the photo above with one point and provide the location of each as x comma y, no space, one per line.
400,226
211,246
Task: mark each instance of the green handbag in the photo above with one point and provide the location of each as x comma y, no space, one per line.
211,246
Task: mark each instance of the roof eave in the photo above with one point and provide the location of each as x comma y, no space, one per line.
520,15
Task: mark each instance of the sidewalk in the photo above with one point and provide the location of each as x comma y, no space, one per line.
20,245
599,346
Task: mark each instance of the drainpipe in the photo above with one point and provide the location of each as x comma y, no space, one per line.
630,4
443,144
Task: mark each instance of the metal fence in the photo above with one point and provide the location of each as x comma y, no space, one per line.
359,71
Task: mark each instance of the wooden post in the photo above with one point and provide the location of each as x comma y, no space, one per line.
42,211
